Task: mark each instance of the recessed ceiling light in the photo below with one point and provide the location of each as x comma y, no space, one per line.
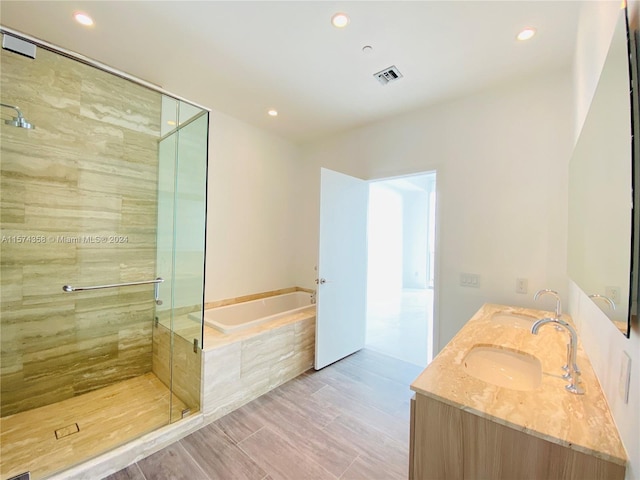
526,33
273,113
83,19
367,49
340,20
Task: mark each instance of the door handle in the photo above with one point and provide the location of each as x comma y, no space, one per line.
320,281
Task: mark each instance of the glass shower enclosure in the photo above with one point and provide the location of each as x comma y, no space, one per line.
102,234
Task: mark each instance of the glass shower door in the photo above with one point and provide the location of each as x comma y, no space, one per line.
181,237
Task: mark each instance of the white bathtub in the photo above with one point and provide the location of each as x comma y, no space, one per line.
232,318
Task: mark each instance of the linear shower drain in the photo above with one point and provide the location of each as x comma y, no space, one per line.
66,431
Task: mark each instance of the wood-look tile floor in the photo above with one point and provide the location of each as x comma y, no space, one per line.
347,421
100,420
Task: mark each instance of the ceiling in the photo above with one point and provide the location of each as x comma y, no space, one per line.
244,57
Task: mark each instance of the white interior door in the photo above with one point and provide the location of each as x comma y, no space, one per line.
342,267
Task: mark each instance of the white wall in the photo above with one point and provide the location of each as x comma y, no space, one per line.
602,341
250,210
595,28
500,157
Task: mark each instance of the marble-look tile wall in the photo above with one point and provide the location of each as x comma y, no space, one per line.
78,206
177,366
238,372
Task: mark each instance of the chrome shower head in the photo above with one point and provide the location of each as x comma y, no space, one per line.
18,121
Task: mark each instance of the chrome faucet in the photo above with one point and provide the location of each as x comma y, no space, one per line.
573,374
611,303
547,291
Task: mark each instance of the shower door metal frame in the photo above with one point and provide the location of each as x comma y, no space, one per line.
94,63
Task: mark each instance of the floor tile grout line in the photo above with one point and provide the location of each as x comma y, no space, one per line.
368,404
248,437
391,393
288,442
384,377
375,408
320,389
255,461
193,459
140,470
375,349
341,373
324,427
355,360
231,440
388,438
346,469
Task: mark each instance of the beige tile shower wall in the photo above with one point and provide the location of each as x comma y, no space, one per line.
238,372
87,171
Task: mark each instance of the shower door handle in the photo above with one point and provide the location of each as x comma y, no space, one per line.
156,291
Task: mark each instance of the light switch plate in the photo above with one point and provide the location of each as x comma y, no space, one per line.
613,293
522,285
625,377
470,280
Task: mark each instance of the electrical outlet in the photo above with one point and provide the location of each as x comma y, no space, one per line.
625,377
522,285
470,280
613,293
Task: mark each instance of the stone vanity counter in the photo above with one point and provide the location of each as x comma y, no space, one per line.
580,422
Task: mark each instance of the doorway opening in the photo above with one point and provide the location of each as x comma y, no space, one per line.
401,275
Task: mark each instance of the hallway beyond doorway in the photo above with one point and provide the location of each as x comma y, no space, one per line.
401,267
400,329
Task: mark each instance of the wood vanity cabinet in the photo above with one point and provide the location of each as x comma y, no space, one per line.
449,443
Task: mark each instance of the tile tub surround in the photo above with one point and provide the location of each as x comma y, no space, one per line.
89,168
580,422
241,366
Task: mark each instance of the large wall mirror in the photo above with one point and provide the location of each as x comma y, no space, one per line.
601,226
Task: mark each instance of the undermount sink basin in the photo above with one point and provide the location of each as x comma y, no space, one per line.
504,367
515,320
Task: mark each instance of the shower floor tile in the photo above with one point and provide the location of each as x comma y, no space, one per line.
105,419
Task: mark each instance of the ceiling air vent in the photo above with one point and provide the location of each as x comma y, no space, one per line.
388,75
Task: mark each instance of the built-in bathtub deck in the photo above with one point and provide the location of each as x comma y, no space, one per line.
215,339
241,366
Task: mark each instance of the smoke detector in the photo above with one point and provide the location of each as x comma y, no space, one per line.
388,75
